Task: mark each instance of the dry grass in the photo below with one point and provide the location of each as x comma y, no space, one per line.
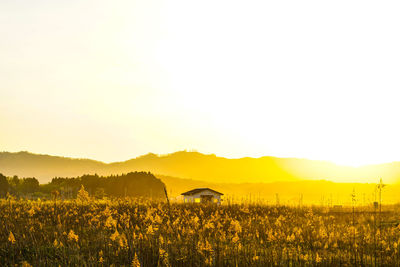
132,232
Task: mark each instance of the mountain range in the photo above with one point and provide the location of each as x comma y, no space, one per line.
198,166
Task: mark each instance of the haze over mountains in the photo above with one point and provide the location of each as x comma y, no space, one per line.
197,166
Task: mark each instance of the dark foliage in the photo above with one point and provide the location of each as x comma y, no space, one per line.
3,185
133,184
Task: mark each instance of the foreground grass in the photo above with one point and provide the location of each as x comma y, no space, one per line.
140,233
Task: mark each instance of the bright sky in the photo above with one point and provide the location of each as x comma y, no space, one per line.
112,80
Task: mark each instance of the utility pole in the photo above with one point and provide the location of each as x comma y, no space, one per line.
353,200
381,185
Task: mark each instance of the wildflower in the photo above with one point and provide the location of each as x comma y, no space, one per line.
150,230
107,212
235,239
271,236
255,257
101,260
114,236
164,256
322,233
123,242
209,261
245,210
157,219
208,247
196,219
235,226
110,222
83,195
278,222
72,236
291,237
135,261
161,251
11,238
318,259
209,225
205,246
31,212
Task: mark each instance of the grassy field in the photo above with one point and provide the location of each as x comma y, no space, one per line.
142,233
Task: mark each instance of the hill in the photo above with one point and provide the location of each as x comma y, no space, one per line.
45,167
194,165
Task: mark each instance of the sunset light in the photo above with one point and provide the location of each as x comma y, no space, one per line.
199,133
234,79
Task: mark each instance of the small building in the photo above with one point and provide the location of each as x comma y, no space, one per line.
202,195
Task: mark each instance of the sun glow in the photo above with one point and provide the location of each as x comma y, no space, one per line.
292,79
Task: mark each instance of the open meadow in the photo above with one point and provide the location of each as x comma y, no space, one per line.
128,232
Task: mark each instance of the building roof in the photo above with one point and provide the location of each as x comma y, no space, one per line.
197,190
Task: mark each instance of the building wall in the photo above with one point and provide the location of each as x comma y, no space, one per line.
197,197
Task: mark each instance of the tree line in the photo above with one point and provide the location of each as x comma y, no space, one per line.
133,184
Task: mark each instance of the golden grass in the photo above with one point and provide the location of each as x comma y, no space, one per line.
129,232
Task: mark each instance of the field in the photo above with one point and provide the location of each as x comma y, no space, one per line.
129,232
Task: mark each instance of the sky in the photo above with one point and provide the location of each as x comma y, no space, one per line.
112,80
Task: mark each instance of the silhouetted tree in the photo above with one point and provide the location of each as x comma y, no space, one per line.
28,185
4,186
100,193
133,184
14,181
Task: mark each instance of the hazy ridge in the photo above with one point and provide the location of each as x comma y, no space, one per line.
194,165
249,179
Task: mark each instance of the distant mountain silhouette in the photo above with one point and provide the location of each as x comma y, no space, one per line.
194,165
45,167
